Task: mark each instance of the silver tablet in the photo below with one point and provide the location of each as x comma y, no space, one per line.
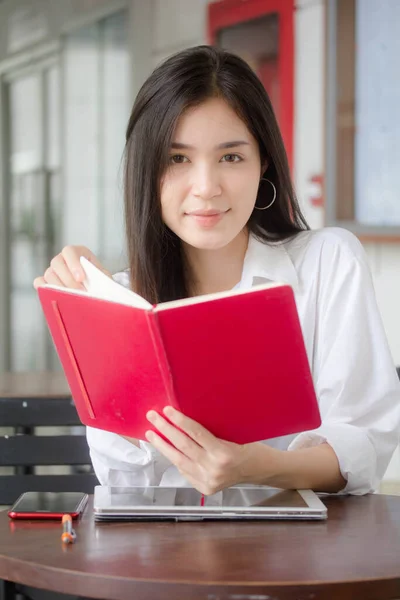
186,504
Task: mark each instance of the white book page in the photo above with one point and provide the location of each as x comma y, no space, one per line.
99,285
216,296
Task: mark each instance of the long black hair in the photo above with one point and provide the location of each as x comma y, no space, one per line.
156,262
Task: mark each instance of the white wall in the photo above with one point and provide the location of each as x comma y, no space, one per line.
308,104
177,24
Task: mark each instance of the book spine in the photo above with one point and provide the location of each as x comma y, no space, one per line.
72,358
162,360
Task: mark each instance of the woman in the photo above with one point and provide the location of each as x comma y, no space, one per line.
209,206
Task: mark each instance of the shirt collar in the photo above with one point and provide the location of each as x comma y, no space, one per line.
267,262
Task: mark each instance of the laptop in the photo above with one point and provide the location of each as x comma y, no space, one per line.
155,503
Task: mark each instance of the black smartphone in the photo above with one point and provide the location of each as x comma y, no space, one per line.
48,505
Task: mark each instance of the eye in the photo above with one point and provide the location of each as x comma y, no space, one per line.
231,158
178,159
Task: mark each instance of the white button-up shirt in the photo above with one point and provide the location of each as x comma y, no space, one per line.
354,376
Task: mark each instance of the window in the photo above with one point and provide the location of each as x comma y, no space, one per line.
97,102
262,34
363,117
33,207
65,118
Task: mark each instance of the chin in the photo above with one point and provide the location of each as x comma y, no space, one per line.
208,240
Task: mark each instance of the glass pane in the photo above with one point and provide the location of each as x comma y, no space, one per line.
53,117
54,212
82,135
26,225
27,260
28,334
52,183
34,202
26,124
26,209
97,101
377,139
115,92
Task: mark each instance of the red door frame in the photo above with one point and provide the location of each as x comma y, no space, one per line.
231,12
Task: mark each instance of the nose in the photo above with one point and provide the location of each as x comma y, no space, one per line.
206,182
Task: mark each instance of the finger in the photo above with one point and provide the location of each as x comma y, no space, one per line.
194,430
180,440
71,256
181,461
38,281
51,277
60,269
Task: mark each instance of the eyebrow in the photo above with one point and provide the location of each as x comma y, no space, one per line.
224,145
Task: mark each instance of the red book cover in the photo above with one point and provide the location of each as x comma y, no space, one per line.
235,362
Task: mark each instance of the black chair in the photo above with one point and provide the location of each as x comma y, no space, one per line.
14,591
25,451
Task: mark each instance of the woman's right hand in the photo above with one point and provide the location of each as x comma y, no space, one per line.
65,269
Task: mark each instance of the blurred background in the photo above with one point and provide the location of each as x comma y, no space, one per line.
69,72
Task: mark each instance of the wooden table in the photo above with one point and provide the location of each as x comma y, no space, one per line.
354,554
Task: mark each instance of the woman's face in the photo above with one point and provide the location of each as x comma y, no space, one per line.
209,189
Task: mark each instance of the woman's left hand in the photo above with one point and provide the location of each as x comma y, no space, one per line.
209,463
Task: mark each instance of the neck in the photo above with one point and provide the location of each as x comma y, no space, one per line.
213,271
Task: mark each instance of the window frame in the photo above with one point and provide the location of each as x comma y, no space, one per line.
226,13
340,74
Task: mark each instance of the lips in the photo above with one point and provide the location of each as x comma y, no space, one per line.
206,213
206,218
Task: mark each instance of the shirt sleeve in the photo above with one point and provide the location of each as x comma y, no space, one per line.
118,462
122,277
355,379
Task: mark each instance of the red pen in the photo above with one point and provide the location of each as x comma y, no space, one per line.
202,500
68,535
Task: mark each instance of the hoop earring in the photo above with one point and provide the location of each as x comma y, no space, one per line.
273,199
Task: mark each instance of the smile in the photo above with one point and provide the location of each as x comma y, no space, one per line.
207,218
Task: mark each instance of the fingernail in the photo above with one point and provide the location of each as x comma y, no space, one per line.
77,274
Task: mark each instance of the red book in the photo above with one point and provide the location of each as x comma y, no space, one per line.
235,361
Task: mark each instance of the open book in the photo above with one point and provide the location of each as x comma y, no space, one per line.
234,361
